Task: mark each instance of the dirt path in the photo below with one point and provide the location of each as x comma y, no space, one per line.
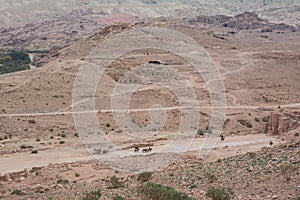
231,146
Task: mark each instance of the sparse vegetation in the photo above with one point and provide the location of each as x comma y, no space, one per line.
93,195
24,146
287,169
266,119
219,193
32,121
296,134
115,183
118,198
200,132
77,174
13,61
61,142
62,181
256,119
159,192
245,123
17,192
34,151
210,177
144,176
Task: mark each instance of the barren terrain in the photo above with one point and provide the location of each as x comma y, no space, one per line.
43,155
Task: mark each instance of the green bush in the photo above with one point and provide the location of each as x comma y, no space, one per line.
24,146
13,61
93,195
144,176
256,119
34,151
17,192
118,198
266,119
245,123
200,132
219,193
210,177
160,192
296,134
32,121
115,183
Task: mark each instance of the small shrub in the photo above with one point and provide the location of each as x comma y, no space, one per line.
37,139
32,121
256,119
61,142
77,174
34,151
62,181
118,198
209,131
296,134
51,137
76,134
93,195
107,125
5,137
210,177
24,146
245,123
116,183
63,135
200,132
287,170
17,192
270,143
160,192
266,119
219,193
144,176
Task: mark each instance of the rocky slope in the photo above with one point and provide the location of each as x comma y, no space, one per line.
32,11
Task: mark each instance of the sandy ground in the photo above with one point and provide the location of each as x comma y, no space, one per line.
232,145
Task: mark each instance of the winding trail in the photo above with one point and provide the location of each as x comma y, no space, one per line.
146,109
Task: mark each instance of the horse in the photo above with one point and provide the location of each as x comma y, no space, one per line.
147,150
222,137
136,149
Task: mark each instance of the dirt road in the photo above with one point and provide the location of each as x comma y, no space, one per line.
231,146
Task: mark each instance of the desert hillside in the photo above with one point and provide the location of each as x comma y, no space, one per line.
161,142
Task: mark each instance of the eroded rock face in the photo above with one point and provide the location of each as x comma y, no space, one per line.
243,21
59,31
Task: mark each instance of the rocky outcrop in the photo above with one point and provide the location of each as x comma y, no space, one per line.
243,21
